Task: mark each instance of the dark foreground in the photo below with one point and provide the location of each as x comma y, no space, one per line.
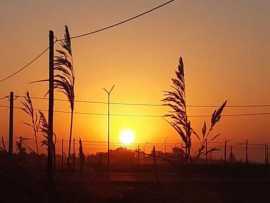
192,183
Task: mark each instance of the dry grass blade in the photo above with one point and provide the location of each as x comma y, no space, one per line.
217,114
206,134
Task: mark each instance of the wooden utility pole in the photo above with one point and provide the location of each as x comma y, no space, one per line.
51,105
10,142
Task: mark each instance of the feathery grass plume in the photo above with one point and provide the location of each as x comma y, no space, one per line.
206,133
175,100
44,130
64,77
28,108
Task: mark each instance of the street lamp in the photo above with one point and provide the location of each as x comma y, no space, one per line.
108,92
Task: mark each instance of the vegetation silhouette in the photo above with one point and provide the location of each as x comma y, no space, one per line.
206,133
28,108
64,78
175,100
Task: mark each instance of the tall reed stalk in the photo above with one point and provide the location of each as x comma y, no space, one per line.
64,79
175,99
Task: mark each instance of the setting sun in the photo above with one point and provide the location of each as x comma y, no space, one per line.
127,136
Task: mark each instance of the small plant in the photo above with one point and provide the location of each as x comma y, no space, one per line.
207,133
175,100
21,149
28,108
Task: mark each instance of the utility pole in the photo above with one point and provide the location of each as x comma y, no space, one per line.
108,92
51,105
10,142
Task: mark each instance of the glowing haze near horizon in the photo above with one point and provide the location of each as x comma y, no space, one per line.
225,46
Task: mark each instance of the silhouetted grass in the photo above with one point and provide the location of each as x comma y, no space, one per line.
176,101
64,77
28,108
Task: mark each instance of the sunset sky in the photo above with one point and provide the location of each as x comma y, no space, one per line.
225,46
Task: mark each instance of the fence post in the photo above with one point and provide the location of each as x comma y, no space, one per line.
138,155
246,149
155,164
266,153
225,151
62,154
74,155
11,112
231,153
206,150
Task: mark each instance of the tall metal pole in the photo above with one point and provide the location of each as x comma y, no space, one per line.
51,105
108,122
10,142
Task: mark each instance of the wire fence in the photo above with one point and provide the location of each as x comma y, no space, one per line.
234,152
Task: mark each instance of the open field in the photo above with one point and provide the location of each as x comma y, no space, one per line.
188,183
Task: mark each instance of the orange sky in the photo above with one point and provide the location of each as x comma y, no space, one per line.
224,44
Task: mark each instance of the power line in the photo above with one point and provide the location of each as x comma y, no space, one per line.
152,104
151,115
124,21
25,66
86,34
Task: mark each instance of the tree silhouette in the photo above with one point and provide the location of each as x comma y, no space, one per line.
64,79
175,100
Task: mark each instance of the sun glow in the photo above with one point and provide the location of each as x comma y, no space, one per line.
127,136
